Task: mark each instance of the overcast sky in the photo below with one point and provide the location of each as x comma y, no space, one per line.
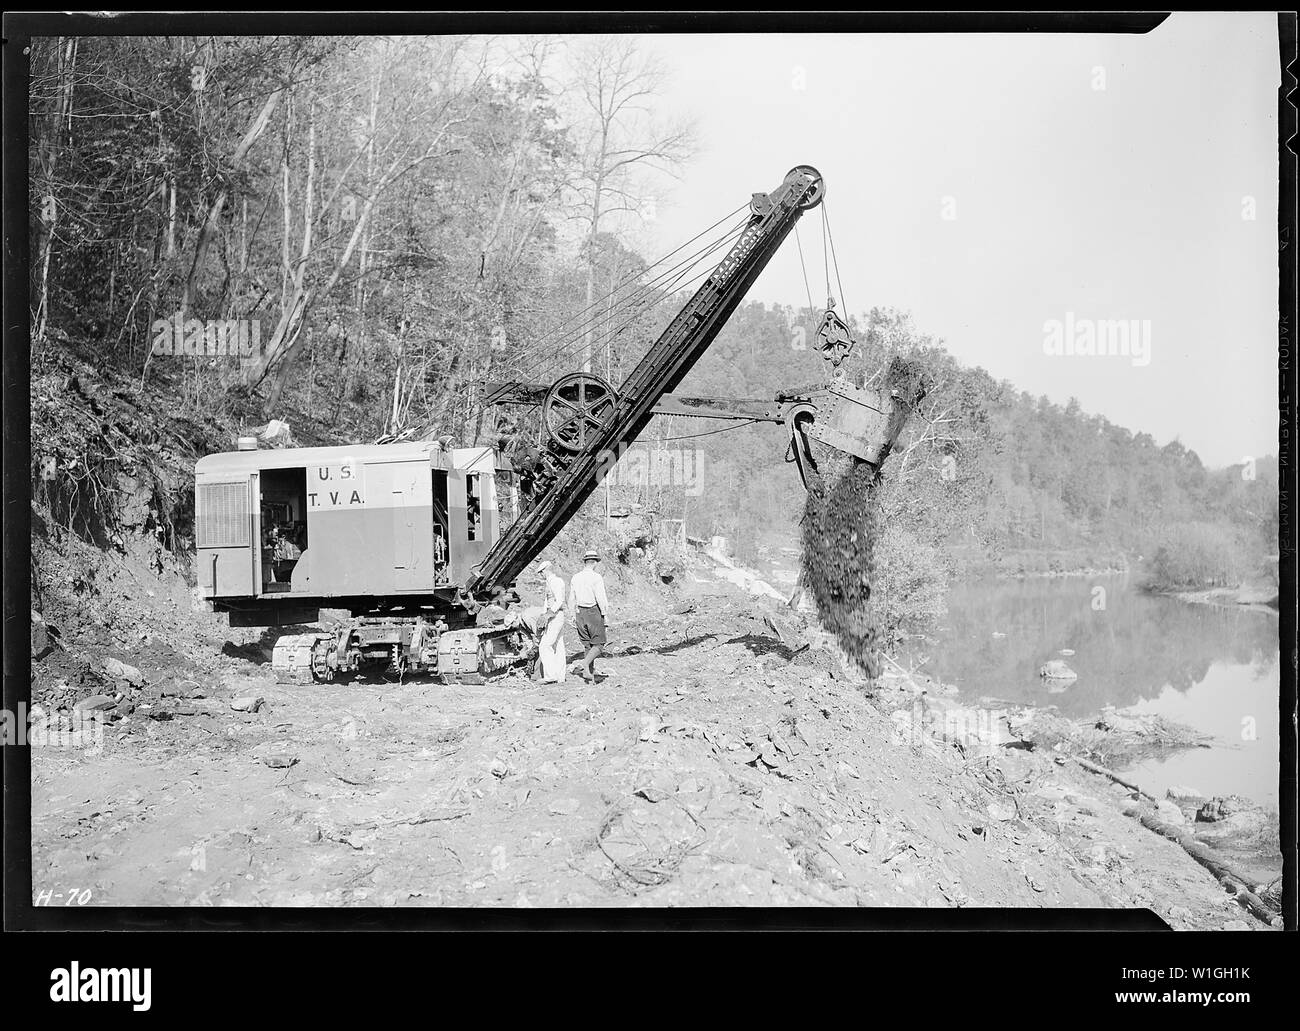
1122,202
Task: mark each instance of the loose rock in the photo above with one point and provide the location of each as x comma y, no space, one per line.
40,634
119,670
96,703
1057,670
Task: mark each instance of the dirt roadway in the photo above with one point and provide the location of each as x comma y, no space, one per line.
707,770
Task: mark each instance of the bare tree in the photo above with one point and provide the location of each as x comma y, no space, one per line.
617,83
210,224
400,155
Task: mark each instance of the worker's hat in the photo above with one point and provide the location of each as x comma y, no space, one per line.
591,556
544,566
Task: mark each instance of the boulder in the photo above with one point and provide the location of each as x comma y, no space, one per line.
1169,813
654,785
1245,824
1057,670
1221,808
40,634
1230,816
248,703
276,433
96,703
1001,811
133,503
119,670
275,754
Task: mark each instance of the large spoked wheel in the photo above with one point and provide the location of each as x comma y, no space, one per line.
576,408
815,191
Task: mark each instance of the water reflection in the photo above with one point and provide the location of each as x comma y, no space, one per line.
1128,646
1213,668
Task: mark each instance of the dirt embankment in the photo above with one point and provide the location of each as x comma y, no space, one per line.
733,757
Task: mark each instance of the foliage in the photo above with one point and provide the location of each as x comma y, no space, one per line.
910,584
393,213
407,219
1197,555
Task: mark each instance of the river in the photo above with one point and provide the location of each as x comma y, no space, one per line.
1215,669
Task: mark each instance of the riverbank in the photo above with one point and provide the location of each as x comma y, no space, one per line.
1247,599
1234,839
1052,573
1032,563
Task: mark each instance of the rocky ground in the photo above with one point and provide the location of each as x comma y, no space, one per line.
732,757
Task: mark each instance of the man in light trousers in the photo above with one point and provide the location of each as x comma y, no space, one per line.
551,654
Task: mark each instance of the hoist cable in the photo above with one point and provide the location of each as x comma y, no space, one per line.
697,277
653,292
803,267
709,433
685,279
844,305
581,317
634,278
568,344
826,260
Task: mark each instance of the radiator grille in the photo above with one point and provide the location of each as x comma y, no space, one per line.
221,515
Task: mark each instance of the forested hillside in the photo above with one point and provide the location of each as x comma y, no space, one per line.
987,474
400,223
385,225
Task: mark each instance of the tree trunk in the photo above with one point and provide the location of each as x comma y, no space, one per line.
65,64
286,332
299,271
588,350
210,224
1215,863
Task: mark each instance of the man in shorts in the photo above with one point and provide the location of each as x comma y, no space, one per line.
590,607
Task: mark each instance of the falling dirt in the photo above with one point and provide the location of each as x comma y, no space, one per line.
840,526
